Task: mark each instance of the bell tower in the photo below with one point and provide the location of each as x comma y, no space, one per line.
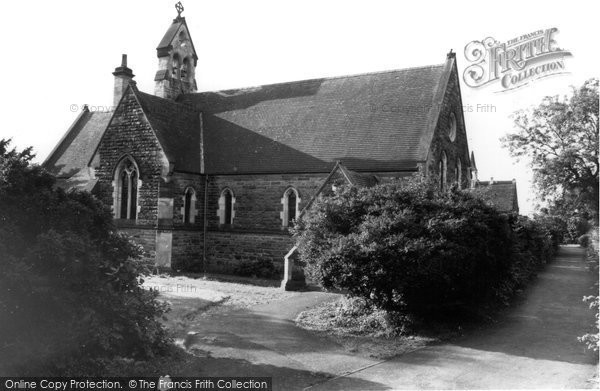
177,60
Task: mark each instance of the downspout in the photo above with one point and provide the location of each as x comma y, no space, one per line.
205,225
205,212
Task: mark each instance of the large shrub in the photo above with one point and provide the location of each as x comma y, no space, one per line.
69,283
405,246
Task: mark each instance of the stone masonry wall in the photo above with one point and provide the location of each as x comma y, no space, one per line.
257,232
130,134
187,250
226,250
176,189
441,141
258,198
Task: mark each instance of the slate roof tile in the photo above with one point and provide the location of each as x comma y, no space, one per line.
370,122
76,148
177,128
502,194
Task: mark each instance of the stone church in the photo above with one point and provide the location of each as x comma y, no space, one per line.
210,180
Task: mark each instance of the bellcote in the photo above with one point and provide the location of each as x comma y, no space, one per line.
177,60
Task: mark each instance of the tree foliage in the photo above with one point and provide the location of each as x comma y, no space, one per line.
560,137
69,283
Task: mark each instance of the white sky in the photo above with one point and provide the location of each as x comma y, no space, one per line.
60,53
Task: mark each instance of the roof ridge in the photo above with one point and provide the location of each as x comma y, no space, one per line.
168,101
319,79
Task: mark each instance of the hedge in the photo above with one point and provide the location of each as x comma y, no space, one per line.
405,246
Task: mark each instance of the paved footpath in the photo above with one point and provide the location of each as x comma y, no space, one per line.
534,346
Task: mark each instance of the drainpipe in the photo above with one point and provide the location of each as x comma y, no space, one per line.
205,225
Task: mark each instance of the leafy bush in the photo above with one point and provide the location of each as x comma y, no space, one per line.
576,227
533,244
592,340
592,250
555,226
69,284
584,241
406,247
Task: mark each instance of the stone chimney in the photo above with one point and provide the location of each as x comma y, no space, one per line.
123,77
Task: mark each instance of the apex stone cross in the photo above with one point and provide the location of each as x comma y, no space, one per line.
179,8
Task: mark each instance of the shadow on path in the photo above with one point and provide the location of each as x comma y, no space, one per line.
547,321
534,346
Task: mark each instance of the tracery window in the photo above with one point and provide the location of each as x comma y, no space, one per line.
126,189
443,170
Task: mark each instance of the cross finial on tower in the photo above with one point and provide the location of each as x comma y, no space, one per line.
179,8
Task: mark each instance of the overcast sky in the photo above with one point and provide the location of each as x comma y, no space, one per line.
62,53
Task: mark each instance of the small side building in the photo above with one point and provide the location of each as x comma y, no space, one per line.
501,194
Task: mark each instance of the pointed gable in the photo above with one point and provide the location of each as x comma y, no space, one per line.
167,42
177,128
340,174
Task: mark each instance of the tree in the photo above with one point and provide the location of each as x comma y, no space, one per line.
70,288
560,137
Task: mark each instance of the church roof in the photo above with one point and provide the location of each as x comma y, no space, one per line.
177,128
374,122
75,149
370,122
357,178
501,194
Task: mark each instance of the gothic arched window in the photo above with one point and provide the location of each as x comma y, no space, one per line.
189,206
226,211
126,186
290,201
443,170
